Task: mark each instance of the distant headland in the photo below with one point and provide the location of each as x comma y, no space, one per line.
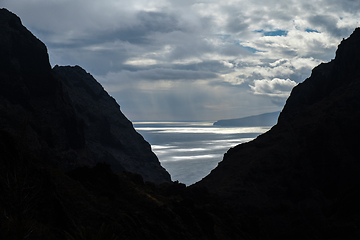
265,119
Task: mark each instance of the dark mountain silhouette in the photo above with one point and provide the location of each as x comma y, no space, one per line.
61,139
300,180
64,113
265,119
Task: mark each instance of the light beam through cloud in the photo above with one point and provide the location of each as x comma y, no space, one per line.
170,60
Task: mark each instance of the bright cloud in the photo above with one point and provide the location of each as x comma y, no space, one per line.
273,88
165,53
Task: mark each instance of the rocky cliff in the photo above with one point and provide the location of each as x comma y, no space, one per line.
64,114
300,180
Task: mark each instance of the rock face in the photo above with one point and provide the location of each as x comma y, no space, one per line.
301,178
109,135
64,114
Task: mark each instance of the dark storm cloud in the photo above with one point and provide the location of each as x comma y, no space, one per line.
192,59
157,21
328,23
236,25
190,49
173,74
351,6
145,23
160,74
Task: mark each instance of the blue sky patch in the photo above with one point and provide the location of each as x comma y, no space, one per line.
311,30
250,49
273,33
253,50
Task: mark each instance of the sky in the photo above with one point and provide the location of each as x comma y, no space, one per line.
167,60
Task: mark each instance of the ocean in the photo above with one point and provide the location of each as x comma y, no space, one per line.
190,150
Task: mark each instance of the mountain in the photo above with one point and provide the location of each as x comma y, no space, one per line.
64,114
300,180
265,119
58,128
61,139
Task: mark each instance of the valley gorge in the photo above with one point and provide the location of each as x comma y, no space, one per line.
73,167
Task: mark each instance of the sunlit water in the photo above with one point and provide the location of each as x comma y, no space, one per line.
190,150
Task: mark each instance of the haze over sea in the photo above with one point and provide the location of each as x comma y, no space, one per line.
190,150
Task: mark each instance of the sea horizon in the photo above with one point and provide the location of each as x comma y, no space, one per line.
189,150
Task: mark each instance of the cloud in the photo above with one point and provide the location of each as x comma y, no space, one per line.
328,23
236,25
157,74
273,88
184,100
153,52
351,6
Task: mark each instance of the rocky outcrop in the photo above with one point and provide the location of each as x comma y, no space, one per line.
301,178
109,135
63,114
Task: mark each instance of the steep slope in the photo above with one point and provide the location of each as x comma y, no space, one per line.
301,178
60,119
38,201
109,135
63,114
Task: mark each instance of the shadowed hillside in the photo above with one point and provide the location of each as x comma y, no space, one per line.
38,201
62,136
64,114
61,139
301,178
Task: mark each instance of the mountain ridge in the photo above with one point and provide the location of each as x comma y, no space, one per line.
300,180
61,138
297,177
64,113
